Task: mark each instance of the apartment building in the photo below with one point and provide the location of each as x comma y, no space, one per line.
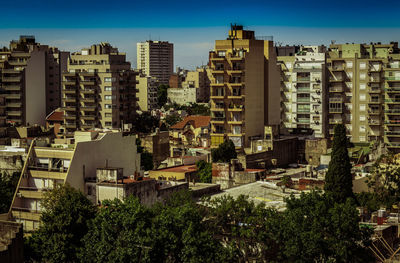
156,59
30,78
147,88
303,90
194,87
245,93
98,90
76,165
364,91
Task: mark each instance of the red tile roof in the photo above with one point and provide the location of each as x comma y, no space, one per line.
55,116
180,169
196,121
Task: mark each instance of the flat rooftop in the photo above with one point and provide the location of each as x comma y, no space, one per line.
179,169
260,192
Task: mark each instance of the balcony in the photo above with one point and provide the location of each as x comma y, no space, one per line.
303,90
69,82
88,117
25,213
88,82
392,133
303,120
392,79
335,100
12,87
374,90
69,91
88,108
335,121
392,100
392,90
14,113
392,111
13,96
374,122
88,99
302,79
338,79
236,107
393,144
335,110
69,108
69,116
17,63
335,89
218,120
88,91
70,125
375,101
69,99
11,79
303,100
215,57
374,111
13,105
392,122
57,174
30,192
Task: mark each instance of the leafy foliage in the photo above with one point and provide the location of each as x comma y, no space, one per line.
204,171
162,95
338,180
191,109
224,153
172,119
385,180
8,184
146,161
145,123
64,219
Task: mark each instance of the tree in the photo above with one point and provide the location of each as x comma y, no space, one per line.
224,153
162,95
204,171
145,123
338,180
8,185
172,119
146,161
315,228
65,215
385,180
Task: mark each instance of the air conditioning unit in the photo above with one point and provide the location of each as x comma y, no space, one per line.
19,195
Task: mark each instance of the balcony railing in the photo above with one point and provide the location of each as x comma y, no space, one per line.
392,111
46,168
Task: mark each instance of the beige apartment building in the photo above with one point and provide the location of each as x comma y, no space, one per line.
245,90
147,88
194,88
75,164
98,90
156,59
303,90
30,79
364,91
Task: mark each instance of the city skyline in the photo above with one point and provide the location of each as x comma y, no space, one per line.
193,28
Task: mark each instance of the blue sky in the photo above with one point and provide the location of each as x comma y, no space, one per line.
194,25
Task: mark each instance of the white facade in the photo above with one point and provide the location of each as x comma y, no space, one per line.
303,86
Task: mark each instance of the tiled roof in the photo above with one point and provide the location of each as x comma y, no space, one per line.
180,169
55,116
196,121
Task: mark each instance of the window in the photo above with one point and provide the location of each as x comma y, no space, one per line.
108,79
289,65
349,64
362,97
107,97
108,123
107,106
362,117
362,65
362,75
362,128
108,115
350,74
221,53
109,88
362,107
219,79
362,86
362,138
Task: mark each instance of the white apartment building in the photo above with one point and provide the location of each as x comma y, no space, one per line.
303,91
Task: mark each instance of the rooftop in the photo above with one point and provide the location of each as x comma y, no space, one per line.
55,116
180,169
194,120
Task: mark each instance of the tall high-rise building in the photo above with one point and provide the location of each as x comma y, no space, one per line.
364,91
30,80
245,95
156,59
303,90
99,90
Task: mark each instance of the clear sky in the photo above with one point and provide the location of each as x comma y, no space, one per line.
194,25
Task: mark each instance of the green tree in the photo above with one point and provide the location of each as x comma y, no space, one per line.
145,123
146,161
162,95
338,180
65,214
204,171
315,228
224,153
172,119
385,180
8,185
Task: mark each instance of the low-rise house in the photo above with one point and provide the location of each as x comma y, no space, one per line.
157,144
192,131
55,120
186,173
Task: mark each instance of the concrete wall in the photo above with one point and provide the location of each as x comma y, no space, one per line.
117,150
35,93
314,149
